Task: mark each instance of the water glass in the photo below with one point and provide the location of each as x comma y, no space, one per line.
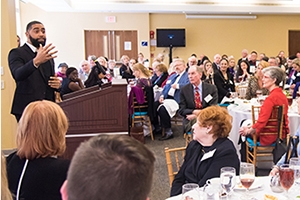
227,179
190,190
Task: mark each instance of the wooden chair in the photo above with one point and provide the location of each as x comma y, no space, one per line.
174,158
255,150
141,115
188,138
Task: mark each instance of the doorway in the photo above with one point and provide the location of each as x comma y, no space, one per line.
111,44
294,42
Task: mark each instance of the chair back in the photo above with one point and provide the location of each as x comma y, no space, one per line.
174,159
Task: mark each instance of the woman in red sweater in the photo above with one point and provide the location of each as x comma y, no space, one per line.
272,78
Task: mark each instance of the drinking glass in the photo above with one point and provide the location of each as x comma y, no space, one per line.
295,165
247,176
189,187
227,179
286,174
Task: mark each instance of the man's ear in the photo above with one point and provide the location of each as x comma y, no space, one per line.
63,191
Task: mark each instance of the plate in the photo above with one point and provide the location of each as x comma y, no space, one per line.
256,185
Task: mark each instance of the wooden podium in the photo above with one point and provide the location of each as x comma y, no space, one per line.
93,111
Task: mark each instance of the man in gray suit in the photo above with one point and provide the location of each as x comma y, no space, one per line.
189,108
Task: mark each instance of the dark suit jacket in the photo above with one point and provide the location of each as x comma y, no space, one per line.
182,82
187,102
31,82
193,170
125,72
224,86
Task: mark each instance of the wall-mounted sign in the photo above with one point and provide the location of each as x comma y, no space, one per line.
110,19
144,43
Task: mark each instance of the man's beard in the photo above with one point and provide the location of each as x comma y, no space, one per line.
36,43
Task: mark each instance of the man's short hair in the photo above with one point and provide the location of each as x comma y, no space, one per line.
110,167
29,25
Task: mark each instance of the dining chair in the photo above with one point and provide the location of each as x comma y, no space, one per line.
174,159
254,151
140,114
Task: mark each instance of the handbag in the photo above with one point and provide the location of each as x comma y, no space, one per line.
281,145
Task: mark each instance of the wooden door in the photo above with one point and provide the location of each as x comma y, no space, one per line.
294,42
111,44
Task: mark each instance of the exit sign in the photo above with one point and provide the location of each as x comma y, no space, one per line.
110,19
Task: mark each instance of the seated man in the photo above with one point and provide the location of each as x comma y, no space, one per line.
195,96
110,167
168,102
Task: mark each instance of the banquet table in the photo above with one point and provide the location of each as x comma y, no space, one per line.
243,111
258,190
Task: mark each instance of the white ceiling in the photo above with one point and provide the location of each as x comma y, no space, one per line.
172,6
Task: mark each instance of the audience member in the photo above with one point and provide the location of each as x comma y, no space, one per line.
32,68
102,61
244,56
209,151
160,74
171,93
195,96
125,70
85,70
253,60
111,66
160,57
208,72
96,77
34,171
273,62
296,66
192,61
224,81
243,71
91,60
142,75
132,61
272,78
261,56
282,56
62,68
255,81
71,83
110,167
232,65
141,58
216,63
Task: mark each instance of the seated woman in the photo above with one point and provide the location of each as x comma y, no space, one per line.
224,81
255,81
34,171
71,83
208,72
209,151
275,169
142,74
272,77
96,77
243,72
160,74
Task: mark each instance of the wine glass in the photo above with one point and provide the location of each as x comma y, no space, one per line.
247,176
295,165
286,174
227,179
189,187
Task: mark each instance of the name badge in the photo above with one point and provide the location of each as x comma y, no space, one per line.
208,155
168,82
208,98
230,82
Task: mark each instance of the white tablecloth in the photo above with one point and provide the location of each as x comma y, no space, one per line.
239,113
256,193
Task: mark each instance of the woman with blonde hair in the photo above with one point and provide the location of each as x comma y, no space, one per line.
208,72
142,74
34,171
255,81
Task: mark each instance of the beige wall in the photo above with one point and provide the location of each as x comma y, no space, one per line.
66,30
8,41
267,33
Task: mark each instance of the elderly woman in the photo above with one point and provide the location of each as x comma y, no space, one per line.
71,83
34,170
255,81
209,151
224,81
161,74
272,77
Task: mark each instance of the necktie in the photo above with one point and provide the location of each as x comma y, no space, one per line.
197,99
